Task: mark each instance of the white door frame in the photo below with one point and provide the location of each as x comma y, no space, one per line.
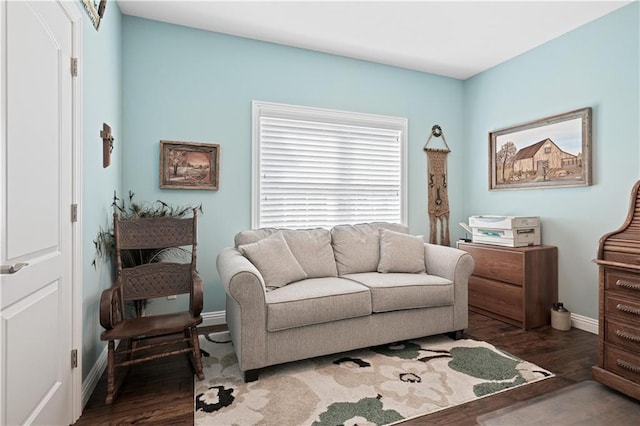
75,14
72,9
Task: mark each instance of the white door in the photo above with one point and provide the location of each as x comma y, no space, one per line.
36,227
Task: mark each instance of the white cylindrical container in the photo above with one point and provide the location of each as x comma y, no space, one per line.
560,317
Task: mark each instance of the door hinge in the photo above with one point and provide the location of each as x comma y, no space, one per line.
74,212
74,67
74,358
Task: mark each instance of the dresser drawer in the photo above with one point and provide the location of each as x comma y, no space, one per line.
624,282
623,363
622,307
622,334
497,264
497,297
627,258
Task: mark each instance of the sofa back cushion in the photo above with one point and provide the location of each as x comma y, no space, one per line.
275,261
311,247
357,247
253,236
400,252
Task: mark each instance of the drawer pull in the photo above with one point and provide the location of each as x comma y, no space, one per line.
628,284
628,366
628,309
628,336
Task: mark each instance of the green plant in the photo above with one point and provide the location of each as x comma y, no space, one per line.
131,210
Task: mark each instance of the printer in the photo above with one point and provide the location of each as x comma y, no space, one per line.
508,231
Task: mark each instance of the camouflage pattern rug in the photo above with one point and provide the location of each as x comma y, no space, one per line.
375,386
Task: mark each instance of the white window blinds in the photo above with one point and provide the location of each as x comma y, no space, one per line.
320,168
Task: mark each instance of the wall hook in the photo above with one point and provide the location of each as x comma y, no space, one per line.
436,131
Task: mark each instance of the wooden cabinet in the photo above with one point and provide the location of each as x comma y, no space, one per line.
515,285
619,300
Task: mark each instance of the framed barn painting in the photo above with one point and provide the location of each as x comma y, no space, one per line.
548,153
189,165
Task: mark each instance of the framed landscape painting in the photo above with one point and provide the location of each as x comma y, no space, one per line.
189,165
547,153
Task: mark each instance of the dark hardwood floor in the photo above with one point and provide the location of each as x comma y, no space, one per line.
161,391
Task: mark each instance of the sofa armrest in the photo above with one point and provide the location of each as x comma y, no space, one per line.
457,266
448,262
246,307
240,278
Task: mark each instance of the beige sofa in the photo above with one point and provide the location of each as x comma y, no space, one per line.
297,294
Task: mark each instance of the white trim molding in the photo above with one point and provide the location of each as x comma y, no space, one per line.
580,322
91,381
93,377
77,384
213,318
584,323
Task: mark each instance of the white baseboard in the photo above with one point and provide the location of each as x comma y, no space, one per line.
213,318
91,381
584,323
577,321
217,318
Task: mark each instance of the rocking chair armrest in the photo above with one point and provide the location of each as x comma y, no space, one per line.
196,296
110,307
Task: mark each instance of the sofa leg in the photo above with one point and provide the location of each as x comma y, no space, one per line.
456,335
251,375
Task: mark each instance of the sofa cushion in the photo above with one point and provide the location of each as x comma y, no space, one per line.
273,258
314,301
357,247
311,247
401,252
392,292
253,235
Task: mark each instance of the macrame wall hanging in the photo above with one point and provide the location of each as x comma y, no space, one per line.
437,188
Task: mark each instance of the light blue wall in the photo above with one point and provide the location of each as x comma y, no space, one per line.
154,81
191,85
100,71
595,65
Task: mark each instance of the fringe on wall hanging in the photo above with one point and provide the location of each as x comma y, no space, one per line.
438,199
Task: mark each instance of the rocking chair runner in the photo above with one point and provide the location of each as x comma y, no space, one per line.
144,338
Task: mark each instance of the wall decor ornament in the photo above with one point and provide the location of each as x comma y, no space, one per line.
189,165
95,10
107,144
547,153
438,198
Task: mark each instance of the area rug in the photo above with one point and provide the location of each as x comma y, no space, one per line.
584,403
381,385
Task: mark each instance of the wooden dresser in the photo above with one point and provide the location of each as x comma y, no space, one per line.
515,285
619,299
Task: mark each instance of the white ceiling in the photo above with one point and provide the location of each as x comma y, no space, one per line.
452,38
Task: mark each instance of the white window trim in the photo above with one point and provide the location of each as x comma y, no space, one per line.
270,109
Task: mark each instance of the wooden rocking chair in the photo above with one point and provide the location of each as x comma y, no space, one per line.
143,338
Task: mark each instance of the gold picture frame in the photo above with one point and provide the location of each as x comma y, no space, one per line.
189,165
548,153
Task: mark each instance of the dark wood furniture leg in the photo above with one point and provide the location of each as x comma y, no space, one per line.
456,335
251,375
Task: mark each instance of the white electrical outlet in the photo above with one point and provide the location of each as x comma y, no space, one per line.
172,297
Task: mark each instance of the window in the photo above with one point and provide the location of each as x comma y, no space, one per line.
319,168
